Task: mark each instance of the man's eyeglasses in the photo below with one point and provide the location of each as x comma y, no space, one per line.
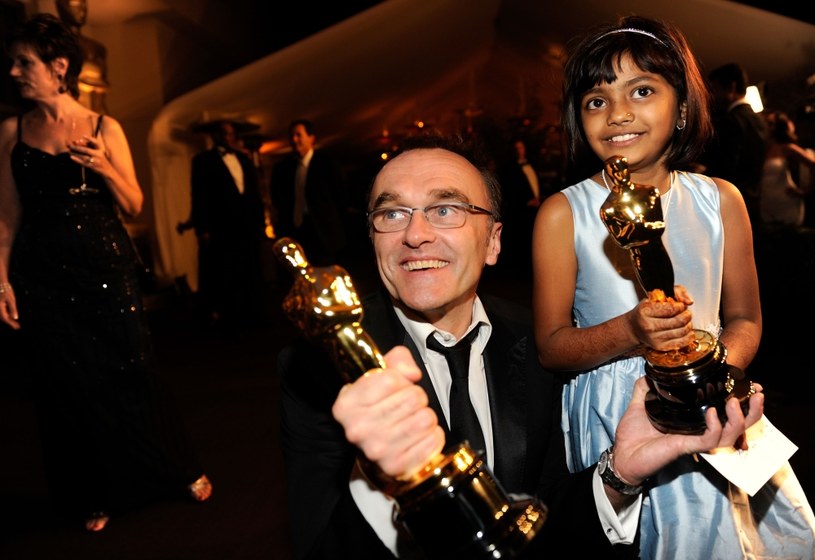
444,215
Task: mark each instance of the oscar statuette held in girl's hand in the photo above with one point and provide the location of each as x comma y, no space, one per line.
684,382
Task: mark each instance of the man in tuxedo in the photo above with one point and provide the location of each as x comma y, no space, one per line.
522,195
229,222
741,138
308,194
434,225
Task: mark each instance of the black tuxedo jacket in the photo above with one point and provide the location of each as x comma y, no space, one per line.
738,149
528,442
229,267
218,208
325,198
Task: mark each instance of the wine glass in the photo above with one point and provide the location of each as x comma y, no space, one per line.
76,136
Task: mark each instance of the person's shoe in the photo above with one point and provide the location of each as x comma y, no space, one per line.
97,521
201,489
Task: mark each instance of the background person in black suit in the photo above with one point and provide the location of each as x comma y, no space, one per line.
228,218
741,137
522,195
308,193
434,230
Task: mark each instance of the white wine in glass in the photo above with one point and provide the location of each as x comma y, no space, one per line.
76,135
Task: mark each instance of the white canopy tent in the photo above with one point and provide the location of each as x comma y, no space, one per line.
352,75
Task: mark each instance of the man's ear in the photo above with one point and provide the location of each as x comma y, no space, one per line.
494,243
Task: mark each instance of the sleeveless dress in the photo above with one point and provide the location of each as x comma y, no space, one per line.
108,440
690,511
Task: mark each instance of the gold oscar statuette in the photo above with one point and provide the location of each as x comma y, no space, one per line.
453,505
684,382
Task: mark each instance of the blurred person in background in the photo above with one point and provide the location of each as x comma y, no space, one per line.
740,138
228,218
68,283
308,194
783,185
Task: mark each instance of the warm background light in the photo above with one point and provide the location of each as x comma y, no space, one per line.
753,97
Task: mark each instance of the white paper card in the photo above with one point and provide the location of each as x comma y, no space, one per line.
768,450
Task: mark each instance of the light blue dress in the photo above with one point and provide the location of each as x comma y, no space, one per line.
691,512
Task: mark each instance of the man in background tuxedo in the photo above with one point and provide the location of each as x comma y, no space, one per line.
308,193
228,218
522,195
741,137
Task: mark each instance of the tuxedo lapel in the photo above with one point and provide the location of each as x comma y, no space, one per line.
509,407
381,322
427,385
227,182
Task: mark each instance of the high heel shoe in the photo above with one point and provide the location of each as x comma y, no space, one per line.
96,521
201,489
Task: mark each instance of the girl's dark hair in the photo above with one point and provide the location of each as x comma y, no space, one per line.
50,39
594,58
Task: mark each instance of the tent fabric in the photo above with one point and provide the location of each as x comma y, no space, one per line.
370,52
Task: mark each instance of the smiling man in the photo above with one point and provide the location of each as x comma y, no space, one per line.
433,219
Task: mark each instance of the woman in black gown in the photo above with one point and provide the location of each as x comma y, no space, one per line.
68,282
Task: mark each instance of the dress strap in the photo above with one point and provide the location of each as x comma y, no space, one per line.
98,126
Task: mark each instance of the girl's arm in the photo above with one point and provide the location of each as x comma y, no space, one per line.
741,304
560,344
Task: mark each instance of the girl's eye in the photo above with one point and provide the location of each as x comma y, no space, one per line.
594,103
642,92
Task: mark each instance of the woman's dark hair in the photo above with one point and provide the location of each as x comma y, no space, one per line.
780,128
654,46
50,39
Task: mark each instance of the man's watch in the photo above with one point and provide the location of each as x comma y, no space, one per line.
605,468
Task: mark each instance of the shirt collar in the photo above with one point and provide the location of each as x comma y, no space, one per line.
420,330
306,159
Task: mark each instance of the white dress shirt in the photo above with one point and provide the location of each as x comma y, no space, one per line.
235,168
380,510
300,204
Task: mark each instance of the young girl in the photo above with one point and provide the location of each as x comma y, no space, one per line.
635,90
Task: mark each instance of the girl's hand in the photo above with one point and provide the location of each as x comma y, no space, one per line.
664,323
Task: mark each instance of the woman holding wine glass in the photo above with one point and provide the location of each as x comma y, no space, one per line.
68,283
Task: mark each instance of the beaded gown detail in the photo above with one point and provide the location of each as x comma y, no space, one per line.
690,511
109,439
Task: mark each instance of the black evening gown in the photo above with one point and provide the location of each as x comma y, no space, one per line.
109,440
